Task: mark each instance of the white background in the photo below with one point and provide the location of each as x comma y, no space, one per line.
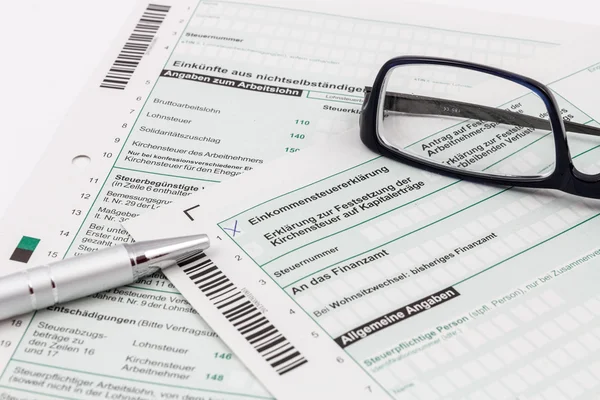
49,48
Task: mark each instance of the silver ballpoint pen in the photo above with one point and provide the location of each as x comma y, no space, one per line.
72,278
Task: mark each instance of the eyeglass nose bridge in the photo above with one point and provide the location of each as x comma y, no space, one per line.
581,184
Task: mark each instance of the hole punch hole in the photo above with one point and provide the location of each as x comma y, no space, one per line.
81,161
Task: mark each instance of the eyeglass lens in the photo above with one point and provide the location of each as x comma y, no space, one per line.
466,120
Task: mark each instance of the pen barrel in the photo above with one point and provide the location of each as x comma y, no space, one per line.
43,286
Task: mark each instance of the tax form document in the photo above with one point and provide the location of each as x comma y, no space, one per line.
360,277
191,94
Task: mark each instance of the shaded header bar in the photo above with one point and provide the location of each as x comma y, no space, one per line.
232,83
395,317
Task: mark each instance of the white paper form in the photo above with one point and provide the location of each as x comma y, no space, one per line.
391,282
220,89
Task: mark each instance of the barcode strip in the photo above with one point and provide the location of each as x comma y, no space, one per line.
245,317
136,46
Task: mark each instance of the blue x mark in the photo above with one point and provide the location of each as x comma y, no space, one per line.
234,229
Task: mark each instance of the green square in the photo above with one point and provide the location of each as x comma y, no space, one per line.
28,243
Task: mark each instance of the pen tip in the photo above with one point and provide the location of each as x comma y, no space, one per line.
199,242
190,243
165,252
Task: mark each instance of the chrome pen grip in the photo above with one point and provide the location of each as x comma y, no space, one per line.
43,286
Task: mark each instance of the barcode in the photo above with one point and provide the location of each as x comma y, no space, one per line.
247,319
128,59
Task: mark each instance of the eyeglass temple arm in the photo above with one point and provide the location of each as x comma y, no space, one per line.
402,102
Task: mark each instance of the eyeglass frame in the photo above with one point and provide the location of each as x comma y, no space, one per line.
565,176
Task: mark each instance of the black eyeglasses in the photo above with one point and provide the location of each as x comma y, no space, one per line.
509,130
